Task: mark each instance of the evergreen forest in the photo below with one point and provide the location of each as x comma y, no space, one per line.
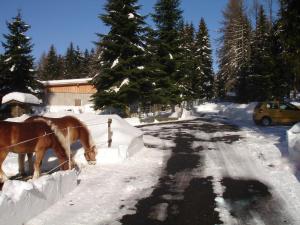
135,66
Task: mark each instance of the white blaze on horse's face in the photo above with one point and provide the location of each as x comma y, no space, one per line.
90,156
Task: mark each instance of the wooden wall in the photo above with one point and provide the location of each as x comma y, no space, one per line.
80,88
72,95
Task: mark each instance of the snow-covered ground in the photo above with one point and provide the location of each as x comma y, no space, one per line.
286,138
110,189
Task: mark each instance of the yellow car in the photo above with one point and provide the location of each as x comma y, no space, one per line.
267,113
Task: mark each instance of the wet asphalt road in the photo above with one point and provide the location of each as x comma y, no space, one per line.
183,196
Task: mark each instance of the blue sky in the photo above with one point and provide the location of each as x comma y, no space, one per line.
59,22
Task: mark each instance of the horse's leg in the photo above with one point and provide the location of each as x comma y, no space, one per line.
21,160
39,155
3,176
30,162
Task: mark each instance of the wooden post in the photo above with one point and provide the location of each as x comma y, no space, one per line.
69,148
110,133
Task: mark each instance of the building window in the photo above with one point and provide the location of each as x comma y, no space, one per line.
77,102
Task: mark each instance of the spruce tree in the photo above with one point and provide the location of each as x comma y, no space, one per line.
2,77
18,71
49,66
187,63
72,63
290,36
121,63
235,47
85,64
260,67
204,76
281,70
167,17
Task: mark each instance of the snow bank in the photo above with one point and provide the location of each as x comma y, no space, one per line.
126,140
20,201
232,111
293,136
21,97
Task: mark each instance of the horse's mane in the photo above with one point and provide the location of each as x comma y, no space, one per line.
91,141
57,132
48,119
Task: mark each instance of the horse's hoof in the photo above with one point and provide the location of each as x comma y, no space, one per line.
35,176
92,162
22,174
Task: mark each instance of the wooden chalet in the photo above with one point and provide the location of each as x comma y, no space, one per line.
71,92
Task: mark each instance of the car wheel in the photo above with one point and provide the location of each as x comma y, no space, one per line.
266,121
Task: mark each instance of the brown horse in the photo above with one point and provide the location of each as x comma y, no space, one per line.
32,137
77,131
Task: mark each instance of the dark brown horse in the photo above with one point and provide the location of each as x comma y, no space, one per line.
32,137
77,131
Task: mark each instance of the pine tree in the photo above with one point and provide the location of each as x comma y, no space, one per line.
2,76
121,63
290,36
167,17
72,62
18,69
40,66
49,66
190,83
281,76
234,52
204,77
85,64
260,67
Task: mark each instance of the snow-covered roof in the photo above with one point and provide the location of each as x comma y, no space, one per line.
21,97
68,81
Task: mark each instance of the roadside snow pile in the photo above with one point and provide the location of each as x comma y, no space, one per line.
20,201
126,140
232,111
293,136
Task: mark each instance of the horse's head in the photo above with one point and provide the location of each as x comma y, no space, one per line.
90,155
